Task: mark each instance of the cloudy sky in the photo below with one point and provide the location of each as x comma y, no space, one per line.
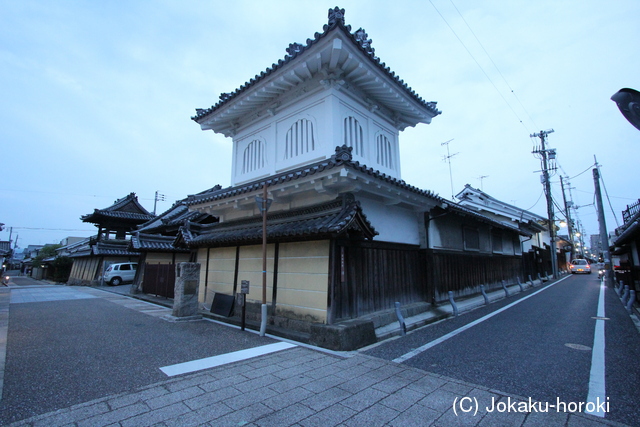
96,97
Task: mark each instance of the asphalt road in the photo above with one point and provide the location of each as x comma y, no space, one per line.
64,352
539,348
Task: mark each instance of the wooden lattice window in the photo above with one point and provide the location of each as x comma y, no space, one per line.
384,152
353,135
300,139
254,156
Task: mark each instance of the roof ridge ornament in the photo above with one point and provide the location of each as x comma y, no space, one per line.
336,15
343,154
294,48
363,40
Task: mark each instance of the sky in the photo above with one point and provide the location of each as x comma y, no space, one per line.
96,98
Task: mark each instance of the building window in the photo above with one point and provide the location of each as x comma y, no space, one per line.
517,246
353,135
496,241
300,139
254,156
384,153
471,239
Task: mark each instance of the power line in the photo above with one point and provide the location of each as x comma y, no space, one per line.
584,171
478,64
52,229
539,197
608,199
495,66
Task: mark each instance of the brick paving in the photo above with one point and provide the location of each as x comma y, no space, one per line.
302,387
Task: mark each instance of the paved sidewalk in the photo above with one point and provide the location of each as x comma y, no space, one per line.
303,387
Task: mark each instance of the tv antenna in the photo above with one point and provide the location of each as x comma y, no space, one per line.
481,178
447,159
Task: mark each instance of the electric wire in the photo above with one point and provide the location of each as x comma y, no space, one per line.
51,229
478,64
494,64
590,166
539,197
608,199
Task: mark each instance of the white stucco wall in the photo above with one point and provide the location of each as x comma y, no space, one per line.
325,112
394,224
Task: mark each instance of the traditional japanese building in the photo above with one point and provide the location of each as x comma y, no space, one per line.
115,225
347,237
154,241
625,248
536,249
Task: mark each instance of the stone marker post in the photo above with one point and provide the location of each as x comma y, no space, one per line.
185,300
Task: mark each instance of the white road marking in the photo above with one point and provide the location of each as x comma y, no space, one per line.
223,359
597,386
46,294
452,334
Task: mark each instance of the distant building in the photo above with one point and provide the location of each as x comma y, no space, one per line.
115,223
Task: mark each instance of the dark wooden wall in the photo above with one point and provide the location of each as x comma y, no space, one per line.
371,276
460,272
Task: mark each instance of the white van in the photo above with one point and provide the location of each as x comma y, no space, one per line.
117,274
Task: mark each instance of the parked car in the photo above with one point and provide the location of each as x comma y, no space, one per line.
117,274
580,266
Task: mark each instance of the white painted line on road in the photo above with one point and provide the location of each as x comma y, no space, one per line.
223,359
452,334
597,386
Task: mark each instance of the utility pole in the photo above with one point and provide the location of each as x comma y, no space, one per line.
547,154
447,159
604,238
160,197
569,221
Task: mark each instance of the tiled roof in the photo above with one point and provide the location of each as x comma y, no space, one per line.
127,209
173,218
314,222
342,157
462,210
142,242
113,248
336,22
470,191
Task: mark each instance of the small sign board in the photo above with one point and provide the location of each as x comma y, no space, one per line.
244,287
